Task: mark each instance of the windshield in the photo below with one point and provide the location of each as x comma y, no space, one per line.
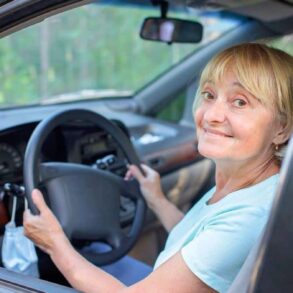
93,51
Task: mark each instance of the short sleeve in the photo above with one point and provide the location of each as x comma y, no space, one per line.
216,255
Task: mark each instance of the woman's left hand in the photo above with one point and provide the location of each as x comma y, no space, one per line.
43,229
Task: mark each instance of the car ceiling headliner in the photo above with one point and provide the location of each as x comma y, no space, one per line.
264,10
277,14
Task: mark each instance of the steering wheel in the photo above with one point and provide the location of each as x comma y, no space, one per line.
86,201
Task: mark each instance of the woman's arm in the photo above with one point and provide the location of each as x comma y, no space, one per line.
173,276
46,232
80,273
150,186
168,213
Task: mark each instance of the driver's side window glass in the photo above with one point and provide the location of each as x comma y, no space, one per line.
173,111
284,43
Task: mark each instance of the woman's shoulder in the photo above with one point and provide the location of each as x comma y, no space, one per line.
254,201
258,195
261,194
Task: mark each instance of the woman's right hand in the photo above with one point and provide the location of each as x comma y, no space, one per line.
43,229
150,184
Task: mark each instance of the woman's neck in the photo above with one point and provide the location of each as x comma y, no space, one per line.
232,177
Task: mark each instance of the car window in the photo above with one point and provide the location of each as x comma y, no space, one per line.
284,43
93,51
173,111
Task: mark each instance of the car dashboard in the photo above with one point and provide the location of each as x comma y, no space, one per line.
163,146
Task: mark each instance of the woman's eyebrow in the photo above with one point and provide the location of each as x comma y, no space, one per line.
209,81
237,83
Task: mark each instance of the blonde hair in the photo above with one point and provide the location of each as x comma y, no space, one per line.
267,73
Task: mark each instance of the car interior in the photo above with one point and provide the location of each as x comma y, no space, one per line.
91,86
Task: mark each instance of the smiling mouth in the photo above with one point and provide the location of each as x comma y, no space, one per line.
215,132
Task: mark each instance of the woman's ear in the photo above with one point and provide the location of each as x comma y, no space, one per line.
282,135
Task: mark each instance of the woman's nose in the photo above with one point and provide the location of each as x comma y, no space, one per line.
216,112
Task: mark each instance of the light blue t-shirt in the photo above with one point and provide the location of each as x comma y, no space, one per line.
215,239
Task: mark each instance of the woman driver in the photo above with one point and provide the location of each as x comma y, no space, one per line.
244,117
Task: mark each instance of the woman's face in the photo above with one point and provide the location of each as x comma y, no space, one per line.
232,124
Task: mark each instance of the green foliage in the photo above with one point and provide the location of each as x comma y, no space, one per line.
91,47
174,110
283,43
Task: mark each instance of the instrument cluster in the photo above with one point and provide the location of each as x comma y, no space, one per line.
10,160
81,145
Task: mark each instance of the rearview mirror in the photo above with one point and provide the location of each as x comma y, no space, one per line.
171,30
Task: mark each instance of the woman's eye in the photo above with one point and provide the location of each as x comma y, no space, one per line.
207,95
239,102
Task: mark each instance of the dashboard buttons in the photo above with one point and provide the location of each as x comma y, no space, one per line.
100,164
106,162
110,160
